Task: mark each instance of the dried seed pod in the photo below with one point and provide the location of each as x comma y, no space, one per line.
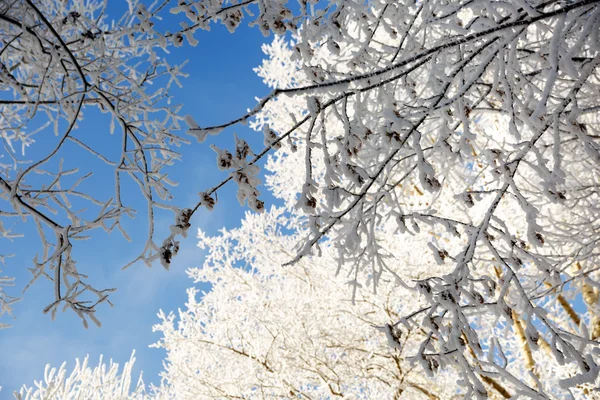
544,345
595,325
590,295
520,331
574,269
570,311
567,307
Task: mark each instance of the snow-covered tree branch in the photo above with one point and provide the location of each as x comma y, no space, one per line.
85,382
462,134
59,60
437,163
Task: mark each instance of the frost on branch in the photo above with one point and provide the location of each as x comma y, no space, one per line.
453,150
199,133
6,300
244,174
86,382
286,332
60,61
170,246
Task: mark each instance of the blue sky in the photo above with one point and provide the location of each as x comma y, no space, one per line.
221,86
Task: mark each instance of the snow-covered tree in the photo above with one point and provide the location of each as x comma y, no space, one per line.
438,165
60,60
450,148
85,382
264,331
